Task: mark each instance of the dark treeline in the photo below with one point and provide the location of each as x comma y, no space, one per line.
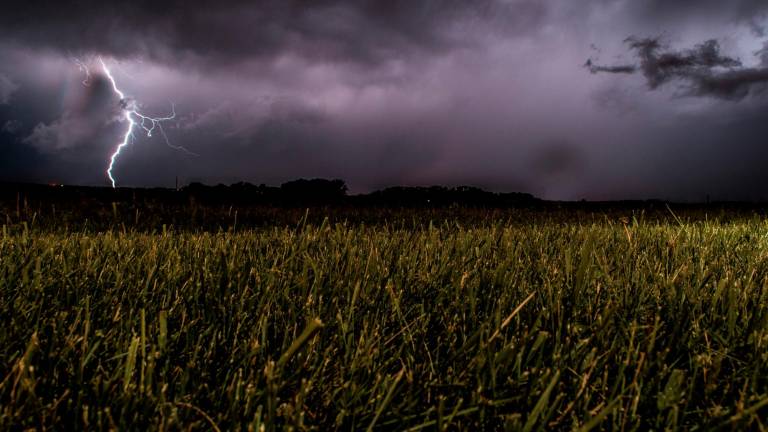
240,205
323,192
296,193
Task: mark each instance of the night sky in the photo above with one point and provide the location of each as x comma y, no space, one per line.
565,99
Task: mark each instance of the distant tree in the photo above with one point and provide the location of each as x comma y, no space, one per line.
314,191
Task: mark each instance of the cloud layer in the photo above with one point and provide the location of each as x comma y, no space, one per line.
233,31
492,93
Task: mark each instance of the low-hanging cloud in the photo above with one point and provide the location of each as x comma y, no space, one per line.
619,69
702,70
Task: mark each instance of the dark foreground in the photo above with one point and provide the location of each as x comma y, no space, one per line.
535,318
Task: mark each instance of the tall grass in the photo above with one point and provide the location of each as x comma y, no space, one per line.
334,326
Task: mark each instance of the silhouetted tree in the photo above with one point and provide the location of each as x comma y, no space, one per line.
314,191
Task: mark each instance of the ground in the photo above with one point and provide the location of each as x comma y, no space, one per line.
463,319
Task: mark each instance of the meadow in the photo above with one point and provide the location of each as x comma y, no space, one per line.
492,321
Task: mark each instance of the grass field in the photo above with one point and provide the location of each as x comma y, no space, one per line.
599,325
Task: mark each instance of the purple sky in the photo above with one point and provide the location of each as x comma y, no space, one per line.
490,93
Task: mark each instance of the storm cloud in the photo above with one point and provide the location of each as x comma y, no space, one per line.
233,31
702,70
490,93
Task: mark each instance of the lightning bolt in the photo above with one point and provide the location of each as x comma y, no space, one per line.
134,117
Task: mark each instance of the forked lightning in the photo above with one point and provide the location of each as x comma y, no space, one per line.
134,118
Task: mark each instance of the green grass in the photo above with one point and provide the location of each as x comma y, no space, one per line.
521,327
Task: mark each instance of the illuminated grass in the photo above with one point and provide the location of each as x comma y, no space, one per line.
535,327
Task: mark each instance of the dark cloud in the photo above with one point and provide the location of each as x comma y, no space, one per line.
620,69
684,10
367,31
735,85
660,67
702,70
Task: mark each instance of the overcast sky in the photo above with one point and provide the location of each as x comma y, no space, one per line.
596,99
